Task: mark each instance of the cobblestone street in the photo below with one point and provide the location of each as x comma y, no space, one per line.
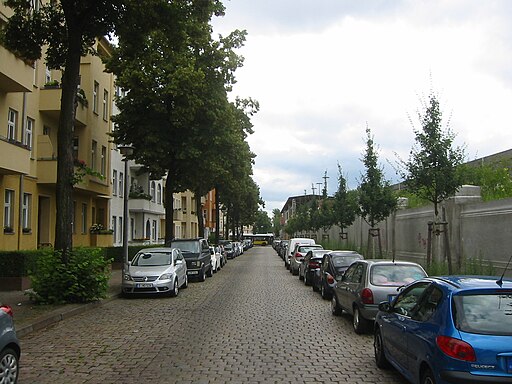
252,322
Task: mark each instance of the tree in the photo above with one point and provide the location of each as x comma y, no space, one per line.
345,204
68,28
376,198
276,222
262,224
433,169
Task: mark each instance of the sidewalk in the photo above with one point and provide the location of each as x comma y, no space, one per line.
29,317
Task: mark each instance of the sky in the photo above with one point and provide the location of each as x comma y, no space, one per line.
324,70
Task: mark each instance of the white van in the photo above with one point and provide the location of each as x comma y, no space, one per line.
291,248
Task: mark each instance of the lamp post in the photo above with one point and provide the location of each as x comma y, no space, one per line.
126,150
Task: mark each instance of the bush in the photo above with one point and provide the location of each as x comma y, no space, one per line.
84,278
17,263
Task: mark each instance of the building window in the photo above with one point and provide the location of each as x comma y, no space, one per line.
132,228
12,123
94,151
47,75
103,166
114,227
29,131
84,218
9,211
46,130
105,105
114,182
159,194
152,191
26,210
95,92
121,184
75,148
153,230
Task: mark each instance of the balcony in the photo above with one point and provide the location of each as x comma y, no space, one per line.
47,171
15,75
142,205
177,214
49,105
15,158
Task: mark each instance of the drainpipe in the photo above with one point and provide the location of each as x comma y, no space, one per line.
20,206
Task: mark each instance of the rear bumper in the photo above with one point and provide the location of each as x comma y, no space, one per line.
458,377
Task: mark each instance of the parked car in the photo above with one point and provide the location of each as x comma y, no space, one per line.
156,270
10,350
298,255
454,329
283,246
291,247
223,255
197,254
333,265
368,282
310,264
216,258
229,249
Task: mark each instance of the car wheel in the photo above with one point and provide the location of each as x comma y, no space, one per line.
300,276
175,289
203,275
378,349
335,308
9,366
315,287
185,283
359,322
210,272
295,272
306,282
428,377
323,292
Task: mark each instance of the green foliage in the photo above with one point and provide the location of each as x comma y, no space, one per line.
17,263
494,179
471,266
276,222
262,224
345,204
82,279
376,198
413,201
433,170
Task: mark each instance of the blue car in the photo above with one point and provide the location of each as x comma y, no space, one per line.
453,329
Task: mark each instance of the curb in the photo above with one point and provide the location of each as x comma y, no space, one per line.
60,315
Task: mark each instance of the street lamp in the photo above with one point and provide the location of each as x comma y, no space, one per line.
126,150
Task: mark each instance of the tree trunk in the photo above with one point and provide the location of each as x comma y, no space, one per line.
169,210
217,216
65,163
199,212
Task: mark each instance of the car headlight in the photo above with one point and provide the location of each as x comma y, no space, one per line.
165,276
196,264
127,277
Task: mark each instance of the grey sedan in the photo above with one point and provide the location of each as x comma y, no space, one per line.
156,270
368,282
9,347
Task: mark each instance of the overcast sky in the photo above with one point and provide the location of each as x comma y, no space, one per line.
322,70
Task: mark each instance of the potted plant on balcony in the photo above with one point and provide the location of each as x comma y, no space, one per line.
136,192
52,84
80,96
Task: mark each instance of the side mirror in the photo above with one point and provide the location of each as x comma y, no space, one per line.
384,306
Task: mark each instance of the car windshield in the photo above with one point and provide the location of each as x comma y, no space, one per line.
344,261
187,246
395,275
228,246
488,314
153,259
306,248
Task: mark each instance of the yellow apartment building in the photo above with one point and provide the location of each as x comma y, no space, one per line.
30,97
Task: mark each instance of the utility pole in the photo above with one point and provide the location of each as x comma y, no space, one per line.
325,182
313,188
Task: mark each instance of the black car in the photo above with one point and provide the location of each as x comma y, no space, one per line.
310,264
228,248
197,255
334,264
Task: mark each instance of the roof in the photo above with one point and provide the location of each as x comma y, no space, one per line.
475,282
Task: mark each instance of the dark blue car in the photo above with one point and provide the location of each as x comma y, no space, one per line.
454,329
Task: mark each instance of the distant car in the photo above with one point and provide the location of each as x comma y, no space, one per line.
229,249
223,257
197,254
10,350
368,282
281,249
156,270
298,255
454,329
310,264
333,265
291,248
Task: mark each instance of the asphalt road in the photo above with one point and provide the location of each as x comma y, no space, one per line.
252,322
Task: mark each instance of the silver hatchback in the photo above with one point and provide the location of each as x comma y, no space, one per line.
368,282
156,270
9,347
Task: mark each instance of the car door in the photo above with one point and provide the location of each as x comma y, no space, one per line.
354,286
180,266
343,286
397,324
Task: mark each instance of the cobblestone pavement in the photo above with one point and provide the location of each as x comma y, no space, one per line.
253,322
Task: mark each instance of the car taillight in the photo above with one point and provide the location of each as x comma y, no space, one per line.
297,255
330,279
456,348
7,309
367,296
313,265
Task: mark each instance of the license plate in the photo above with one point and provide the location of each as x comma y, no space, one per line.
192,272
509,364
144,285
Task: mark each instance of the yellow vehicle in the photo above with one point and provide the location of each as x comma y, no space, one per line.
260,238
